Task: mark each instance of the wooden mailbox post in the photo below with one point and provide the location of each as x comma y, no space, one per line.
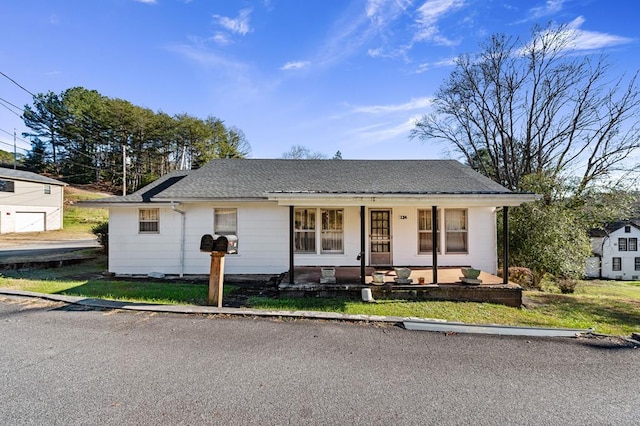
218,248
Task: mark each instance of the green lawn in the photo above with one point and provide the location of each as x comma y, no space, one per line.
85,280
608,306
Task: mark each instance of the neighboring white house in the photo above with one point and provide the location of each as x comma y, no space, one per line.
283,213
29,202
616,252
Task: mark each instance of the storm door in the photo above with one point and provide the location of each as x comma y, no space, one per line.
380,237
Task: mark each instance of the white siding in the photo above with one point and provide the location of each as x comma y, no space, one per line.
481,239
29,197
263,241
610,250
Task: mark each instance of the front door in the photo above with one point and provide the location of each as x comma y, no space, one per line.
380,237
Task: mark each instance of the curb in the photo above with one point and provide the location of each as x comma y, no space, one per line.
409,323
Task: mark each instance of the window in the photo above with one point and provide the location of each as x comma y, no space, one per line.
7,186
225,222
637,263
622,244
148,221
627,229
47,189
633,244
425,231
455,221
616,264
305,230
332,230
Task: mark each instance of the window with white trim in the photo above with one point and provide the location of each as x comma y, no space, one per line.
332,230
305,230
329,229
225,222
633,244
456,237
425,231
148,221
637,263
616,264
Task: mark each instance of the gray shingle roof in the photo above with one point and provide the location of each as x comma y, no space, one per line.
252,178
145,194
27,176
257,178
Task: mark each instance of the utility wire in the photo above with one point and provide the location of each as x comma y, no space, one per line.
11,145
13,105
16,83
11,134
10,110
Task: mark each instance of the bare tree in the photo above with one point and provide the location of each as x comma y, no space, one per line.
519,108
299,152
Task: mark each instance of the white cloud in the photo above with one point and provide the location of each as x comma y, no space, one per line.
221,38
549,8
428,16
295,65
588,40
386,131
576,39
426,66
147,1
413,104
239,25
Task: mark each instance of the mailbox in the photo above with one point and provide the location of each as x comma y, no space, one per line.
221,244
206,243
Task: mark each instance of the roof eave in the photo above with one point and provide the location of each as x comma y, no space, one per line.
440,199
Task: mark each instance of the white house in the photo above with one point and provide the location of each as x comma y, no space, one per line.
29,202
279,214
617,252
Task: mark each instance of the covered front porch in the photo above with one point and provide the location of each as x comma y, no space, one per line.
448,285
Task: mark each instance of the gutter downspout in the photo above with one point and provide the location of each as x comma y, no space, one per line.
182,213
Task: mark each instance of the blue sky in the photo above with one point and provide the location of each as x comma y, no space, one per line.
347,75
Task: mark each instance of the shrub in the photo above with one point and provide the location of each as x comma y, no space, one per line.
566,285
522,276
101,231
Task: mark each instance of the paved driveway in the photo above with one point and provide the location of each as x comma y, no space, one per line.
66,365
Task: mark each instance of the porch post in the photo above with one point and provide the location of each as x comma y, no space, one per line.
434,242
362,245
291,244
505,245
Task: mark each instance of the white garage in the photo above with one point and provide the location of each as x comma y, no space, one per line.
30,221
29,202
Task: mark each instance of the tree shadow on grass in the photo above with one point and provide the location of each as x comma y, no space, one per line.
152,292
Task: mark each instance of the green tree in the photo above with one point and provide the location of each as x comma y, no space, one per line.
46,119
548,235
36,159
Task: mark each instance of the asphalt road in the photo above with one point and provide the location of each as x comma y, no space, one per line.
45,248
63,365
